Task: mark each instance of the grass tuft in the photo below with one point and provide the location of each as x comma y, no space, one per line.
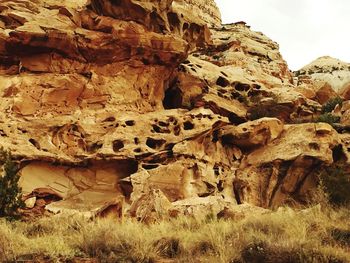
312,235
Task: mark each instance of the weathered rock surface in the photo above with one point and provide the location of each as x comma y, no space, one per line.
140,108
327,69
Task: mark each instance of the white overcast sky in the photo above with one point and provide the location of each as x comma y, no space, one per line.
304,29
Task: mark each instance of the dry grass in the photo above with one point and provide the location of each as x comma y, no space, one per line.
282,236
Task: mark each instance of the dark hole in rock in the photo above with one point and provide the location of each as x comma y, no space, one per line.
196,28
173,98
314,146
235,95
222,82
173,19
136,140
256,86
156,128
154,143
145,61
35,143
177,130
209,191
163,124
237,190
126,187
150,166
181,68
338,153
227,140
242,86
118,145
130,123
126,167
185,26
109,119
253,93
137,150
170,146
215,137
233,118
95,147
3,134
74,128
88,75
263,131
188,125
216,169
157,22
220,186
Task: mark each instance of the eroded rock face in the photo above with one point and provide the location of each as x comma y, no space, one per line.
139,108
327,69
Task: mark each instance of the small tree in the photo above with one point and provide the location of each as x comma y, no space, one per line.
10,192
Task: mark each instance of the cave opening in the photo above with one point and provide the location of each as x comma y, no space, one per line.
173,98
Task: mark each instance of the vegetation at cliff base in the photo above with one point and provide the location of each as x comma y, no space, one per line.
335,182
10,192
318,234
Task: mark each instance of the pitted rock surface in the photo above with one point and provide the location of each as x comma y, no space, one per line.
153,109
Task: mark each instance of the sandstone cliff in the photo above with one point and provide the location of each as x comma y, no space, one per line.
138,107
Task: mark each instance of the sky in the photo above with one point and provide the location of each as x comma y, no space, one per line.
304,29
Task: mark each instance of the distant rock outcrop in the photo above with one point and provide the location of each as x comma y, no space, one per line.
327,69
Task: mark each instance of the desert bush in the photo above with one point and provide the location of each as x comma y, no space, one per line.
335,182
341,236
330,105
328,118
168,247
10,192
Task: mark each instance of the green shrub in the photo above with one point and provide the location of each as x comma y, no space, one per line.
330,105
10,192
335,181
328,118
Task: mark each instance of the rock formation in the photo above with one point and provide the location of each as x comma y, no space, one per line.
329,77
140,108
327,69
